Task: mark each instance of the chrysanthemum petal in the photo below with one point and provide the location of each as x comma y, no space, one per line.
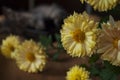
102,5
77,73
78,35
30,56
109,43
9,45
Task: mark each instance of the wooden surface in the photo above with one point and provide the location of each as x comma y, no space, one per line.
54,70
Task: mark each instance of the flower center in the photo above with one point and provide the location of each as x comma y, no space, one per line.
115,43
12,48
78,35
30,57
78,77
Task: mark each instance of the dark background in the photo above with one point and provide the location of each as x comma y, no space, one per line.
70,6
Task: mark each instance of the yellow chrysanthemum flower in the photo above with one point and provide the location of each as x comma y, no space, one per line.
30,56
102,5
109,42
82,1
77,73
78,35
9,45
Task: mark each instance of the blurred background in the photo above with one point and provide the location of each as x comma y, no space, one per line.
17,5
35,15
19,17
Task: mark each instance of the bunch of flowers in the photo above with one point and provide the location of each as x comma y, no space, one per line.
29,55
81,36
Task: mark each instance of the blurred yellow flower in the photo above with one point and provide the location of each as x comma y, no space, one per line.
77,73
30,56
9,45
78,35
102,5
109,42
82,1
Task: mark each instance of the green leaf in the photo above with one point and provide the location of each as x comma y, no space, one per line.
58,38
56,56
93,58
107,64
94,70
106,74
114,77
46,40
115,69
84,65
